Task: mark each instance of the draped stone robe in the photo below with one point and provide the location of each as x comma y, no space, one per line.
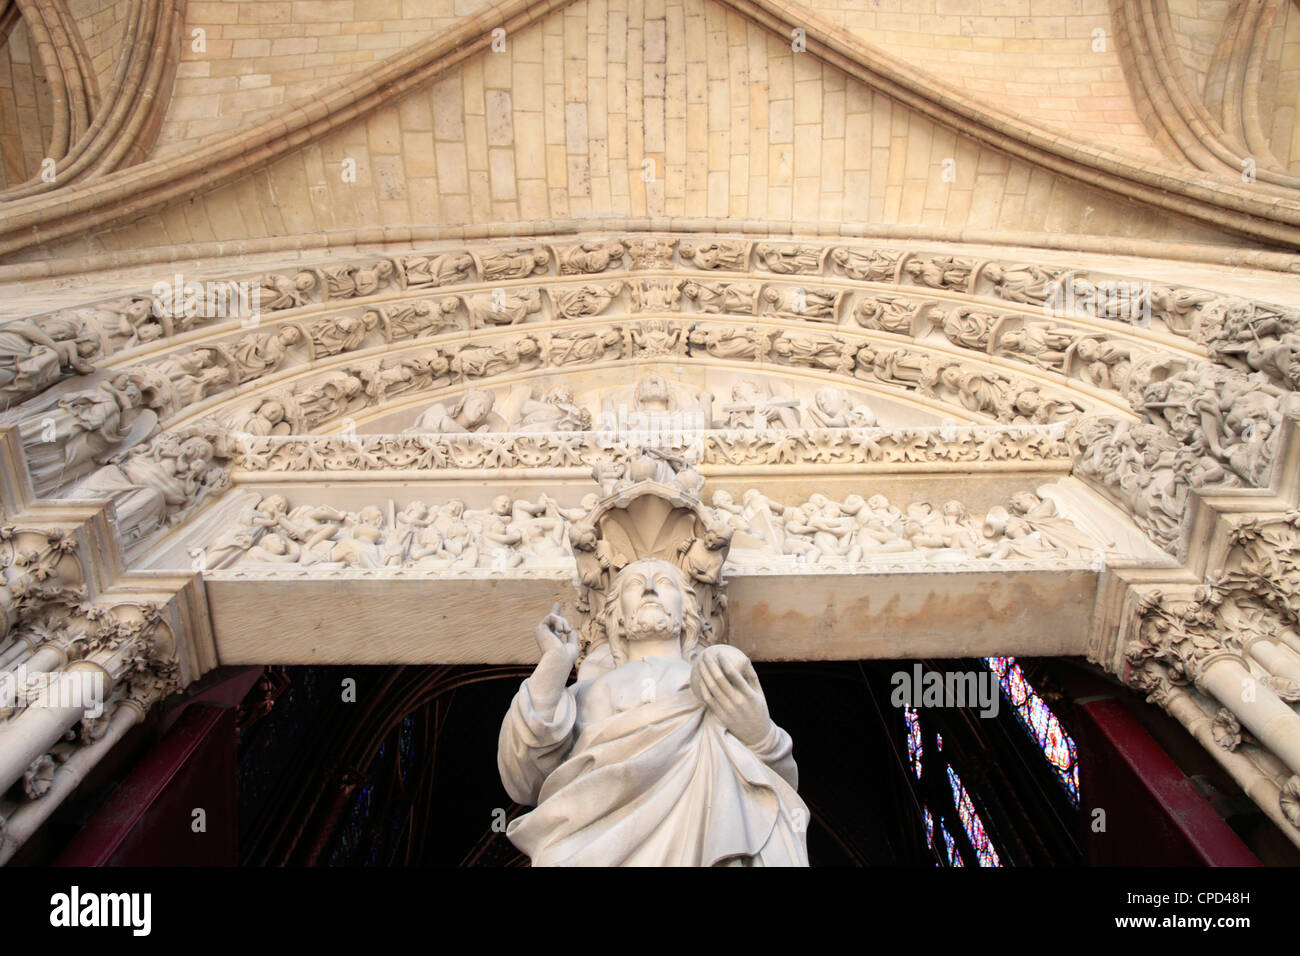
633,770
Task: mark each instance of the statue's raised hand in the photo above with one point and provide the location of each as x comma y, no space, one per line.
723,678
556,638
559,646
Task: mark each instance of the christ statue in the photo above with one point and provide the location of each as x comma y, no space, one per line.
662,752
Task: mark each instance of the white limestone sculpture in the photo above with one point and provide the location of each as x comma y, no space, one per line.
662,753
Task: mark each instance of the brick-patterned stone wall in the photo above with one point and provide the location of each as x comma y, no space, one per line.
24,109
1196,27
1282,84
102,24
1036,58
261,54
641,108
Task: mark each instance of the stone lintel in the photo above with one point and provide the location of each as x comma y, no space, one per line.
367,619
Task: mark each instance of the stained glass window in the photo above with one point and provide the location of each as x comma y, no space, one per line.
929,827
938,742
954,858
913,720
1042,724
406,745
970,821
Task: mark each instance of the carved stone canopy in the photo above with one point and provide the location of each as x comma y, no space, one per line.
651,518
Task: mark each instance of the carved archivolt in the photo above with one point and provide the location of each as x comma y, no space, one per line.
995,340
46,346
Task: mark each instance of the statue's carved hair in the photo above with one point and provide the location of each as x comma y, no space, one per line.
471,392
611,616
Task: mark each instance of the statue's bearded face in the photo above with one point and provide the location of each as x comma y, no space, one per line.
650,601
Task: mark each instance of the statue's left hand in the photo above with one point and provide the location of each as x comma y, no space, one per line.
728,686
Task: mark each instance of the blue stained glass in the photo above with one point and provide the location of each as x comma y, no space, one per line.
954,858
971,822
406,745
914,748
938,742
929,827
1043,725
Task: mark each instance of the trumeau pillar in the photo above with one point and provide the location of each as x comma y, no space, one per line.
1215,643
85,642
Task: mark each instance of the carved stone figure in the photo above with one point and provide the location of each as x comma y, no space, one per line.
587,300
153,483
1181,308
727,255
1047,346
1011,536
1021,282
715,298
813,351
970,328
584,346
83,429
446,268
588,258
1138,463
1102,363
328,397
555,411
894,366
744,343
874,266
413,320
833,408
790,260
31,359
662,753
651,253
755,407
394,376
886,313
940,272
502,307
259,353
193,375
513,263
341,334
472,412
657,337
655,295
271,416
478,361
1266,344
126,323
1041,515
351,281
811,305
249,526
280,292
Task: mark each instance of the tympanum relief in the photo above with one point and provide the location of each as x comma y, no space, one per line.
820,533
